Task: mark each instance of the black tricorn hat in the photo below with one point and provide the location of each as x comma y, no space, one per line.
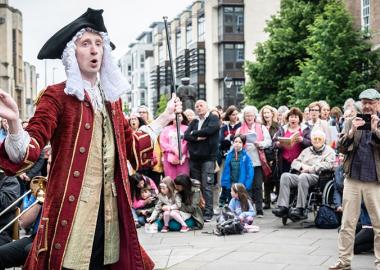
54,47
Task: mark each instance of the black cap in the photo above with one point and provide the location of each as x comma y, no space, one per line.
54,47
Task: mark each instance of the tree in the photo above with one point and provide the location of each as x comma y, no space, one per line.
340,63
277,59
162,104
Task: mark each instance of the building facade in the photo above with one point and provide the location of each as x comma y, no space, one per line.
210,41
366,14
11,54
135,66
233,29
30,89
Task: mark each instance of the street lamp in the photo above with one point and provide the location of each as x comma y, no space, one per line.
228,84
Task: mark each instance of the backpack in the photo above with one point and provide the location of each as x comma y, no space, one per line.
327,218
227,223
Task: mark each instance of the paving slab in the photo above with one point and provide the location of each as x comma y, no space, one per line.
275,247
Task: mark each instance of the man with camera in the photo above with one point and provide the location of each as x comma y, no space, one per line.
360,143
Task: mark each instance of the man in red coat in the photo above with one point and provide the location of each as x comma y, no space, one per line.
86,221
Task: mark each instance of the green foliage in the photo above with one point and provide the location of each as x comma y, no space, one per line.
341,63
312,53
162,104
277,58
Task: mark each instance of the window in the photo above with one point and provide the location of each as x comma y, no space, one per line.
366,15
129,70
239,85
142,80
233,56
239,52
142,60
142,97
201,28
189,39
233,20
178,41
160,53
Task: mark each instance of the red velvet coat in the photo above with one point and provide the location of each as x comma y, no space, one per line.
68,124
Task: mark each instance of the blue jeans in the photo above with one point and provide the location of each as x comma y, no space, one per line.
140,219
175,226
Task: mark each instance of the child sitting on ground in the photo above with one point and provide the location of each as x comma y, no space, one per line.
168,205
146,210
241,204
238,168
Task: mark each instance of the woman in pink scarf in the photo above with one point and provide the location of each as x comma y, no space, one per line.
258,138
169,145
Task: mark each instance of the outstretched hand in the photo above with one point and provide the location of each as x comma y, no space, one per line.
8,107
174,106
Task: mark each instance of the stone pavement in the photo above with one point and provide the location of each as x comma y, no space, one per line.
275,247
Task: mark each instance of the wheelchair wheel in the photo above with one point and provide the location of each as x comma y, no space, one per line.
328,193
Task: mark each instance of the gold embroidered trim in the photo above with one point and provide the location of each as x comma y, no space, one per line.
64,194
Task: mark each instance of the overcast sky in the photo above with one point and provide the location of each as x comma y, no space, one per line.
124,19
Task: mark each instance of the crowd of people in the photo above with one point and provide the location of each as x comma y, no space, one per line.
265,153
115,172
246,160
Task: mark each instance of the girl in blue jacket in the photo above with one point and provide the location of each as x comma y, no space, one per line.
238,168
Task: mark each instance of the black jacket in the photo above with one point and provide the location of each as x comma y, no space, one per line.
203,150
9,192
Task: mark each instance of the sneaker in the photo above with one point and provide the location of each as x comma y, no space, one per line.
340,266
260,213
184,229
165,229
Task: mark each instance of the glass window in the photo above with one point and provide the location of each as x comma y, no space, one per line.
233,56
178,41
160,53
233,20
142,80
142,97
201,28
366,15
142,60
189,28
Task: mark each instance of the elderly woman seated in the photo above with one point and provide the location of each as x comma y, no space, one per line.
304,173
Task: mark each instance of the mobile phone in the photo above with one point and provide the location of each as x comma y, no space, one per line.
367,119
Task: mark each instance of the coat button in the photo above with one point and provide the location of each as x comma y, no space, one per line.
76,174
87,126
71,198
64,222
82,150
57,246
113,112
86,104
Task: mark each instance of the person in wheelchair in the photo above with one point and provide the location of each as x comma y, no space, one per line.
304,174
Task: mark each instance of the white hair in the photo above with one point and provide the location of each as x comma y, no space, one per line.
112,81
318,133
252,109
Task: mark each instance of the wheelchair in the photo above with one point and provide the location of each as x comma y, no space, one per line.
319,194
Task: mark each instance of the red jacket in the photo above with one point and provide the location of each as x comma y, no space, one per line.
68,124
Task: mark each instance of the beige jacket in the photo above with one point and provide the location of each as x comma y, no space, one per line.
318,162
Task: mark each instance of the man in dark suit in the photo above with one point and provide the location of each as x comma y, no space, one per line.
202,136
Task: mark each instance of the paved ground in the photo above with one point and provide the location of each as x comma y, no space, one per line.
275,247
